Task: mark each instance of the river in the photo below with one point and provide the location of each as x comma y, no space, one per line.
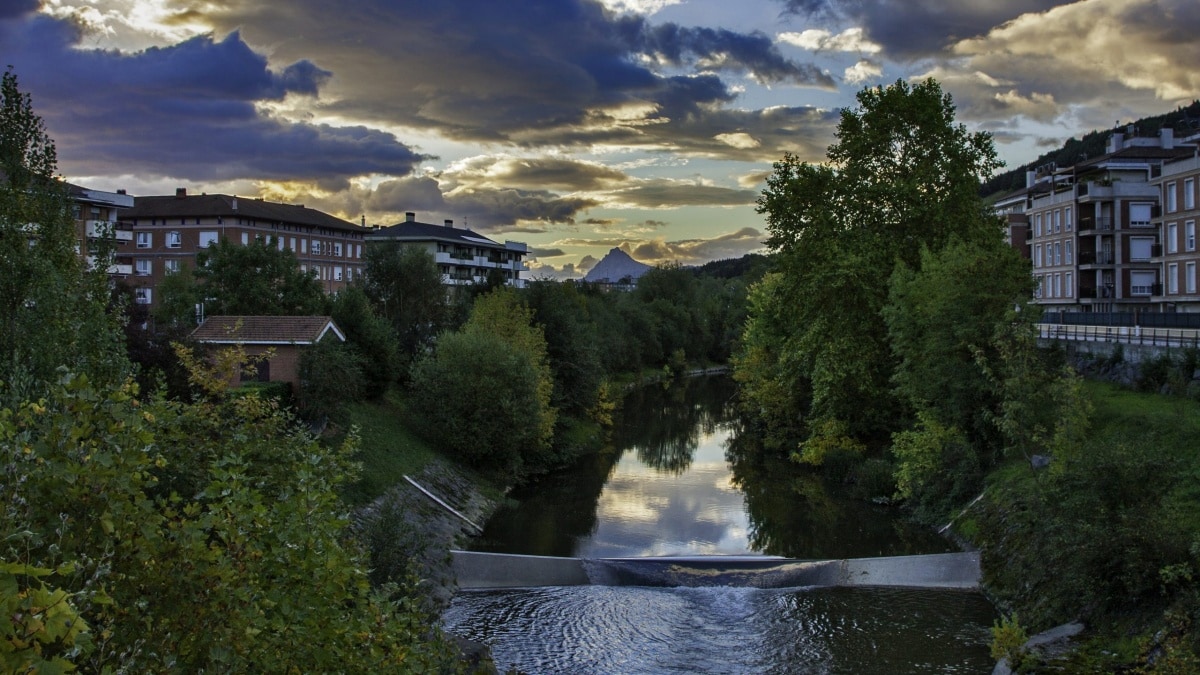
679,479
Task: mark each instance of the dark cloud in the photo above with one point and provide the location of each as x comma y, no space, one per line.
916,28
686,251
538,173
546,252
565,72
664,193
187,111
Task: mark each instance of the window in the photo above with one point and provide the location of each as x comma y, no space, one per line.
171,266
279,242
1141,283
245,239
316,247
1172,205
143,268
337,249
1070,259
1058,285
292,244
1139,215
1189,271
304,246
1189,235
337,273
1189,193
209,238
1172,237
1037,255
1140,248
1037,286
1067,224
1173,278
1057,221
174,240
142,296
358,251
145,239
1057,253
1037,225
1068,286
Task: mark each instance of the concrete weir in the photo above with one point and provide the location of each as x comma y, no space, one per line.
497,570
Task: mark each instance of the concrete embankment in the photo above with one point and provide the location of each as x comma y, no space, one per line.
493,570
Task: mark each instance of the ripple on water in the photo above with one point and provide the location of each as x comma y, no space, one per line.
602,629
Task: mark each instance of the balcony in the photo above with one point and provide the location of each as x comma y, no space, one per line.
1097,223
1156,250
98,229
1145,291
1096,258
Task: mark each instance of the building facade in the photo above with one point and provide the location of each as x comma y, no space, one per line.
1093,231
96,218
168,232
463,257
1179,182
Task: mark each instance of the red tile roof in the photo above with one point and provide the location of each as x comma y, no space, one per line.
274,330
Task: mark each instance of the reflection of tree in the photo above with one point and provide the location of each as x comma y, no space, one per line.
664,425
795,514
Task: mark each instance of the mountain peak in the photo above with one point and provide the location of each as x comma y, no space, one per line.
615,266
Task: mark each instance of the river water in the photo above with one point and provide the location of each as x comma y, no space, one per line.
678,479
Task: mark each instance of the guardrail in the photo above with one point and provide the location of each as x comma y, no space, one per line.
1129,335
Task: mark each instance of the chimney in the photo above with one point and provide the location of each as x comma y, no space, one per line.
233,204
121,191
1166,138
450,223
410,217
180,192
364,220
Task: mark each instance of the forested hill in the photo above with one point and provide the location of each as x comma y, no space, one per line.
1185,120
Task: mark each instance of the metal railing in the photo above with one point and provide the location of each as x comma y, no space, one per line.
1129,335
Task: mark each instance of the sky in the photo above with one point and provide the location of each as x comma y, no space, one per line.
575,126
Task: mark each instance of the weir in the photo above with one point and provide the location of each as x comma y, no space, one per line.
476,570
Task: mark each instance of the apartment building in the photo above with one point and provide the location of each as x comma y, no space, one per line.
463,257
170,230
1092,234
95,213
1178,182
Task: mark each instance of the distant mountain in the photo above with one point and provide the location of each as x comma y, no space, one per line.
615,266
1184,120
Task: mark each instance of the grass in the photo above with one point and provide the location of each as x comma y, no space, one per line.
388,449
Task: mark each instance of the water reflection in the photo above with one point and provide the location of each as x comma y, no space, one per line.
680,478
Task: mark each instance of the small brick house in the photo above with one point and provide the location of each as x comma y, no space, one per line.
288,336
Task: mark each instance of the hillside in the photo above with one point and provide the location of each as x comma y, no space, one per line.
1185,121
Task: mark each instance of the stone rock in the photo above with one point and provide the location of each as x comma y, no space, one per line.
1040,461
1047,645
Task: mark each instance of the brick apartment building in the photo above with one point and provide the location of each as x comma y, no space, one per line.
168,232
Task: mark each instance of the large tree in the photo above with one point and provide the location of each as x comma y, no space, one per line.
901,178
256,279
52,301
406,287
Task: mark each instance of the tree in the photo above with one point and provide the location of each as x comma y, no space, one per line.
902,177
52,303
371,336
406,287
258,279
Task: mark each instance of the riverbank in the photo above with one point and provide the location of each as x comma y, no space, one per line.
1106,533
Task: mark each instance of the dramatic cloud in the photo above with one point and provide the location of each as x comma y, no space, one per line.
863,71
686,251
186,111
816,39
907,29
668,193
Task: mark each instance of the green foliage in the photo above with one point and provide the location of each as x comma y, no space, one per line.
902,178
1008,641
829,444
572,347
258,279
40,629
203,537
406,287
478,397
943,330
331,375
371,336
52,304
936,467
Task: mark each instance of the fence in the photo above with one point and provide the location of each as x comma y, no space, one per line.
1144,319
1128,335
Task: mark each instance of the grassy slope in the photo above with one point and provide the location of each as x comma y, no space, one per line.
1092,536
